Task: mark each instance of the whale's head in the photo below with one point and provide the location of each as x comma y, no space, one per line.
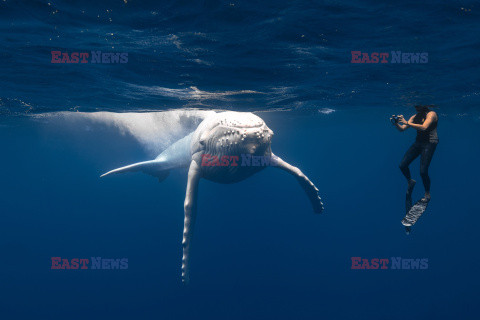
234,133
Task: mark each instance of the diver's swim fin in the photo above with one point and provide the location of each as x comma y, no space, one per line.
415,213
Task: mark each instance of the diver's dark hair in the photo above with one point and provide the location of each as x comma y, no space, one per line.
425,106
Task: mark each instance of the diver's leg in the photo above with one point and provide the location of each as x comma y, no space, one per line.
427,155
305,183
190,208
412,153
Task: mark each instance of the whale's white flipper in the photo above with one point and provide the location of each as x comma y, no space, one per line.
175,156
190,209
305,183
153,167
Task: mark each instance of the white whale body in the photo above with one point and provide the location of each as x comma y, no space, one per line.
230,134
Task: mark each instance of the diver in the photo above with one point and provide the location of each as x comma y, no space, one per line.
425,122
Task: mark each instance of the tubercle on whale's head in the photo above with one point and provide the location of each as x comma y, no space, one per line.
232,134
255,140
235,140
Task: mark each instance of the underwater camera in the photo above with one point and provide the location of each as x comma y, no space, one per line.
394,119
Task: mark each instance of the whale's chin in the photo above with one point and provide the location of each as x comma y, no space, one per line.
227,165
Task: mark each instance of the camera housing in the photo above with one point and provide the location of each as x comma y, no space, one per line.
395,119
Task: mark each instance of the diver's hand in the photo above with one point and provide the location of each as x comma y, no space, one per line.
402,120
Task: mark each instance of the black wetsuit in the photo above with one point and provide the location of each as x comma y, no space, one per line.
424,145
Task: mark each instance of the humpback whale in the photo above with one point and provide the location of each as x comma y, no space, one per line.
231,134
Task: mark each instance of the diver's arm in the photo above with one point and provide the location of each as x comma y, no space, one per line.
431,117
402,125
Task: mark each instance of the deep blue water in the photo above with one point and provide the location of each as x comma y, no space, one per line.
259,252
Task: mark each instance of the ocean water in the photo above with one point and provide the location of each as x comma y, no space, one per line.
259,252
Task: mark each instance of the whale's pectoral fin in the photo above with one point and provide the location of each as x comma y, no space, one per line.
153,168
307,185
190,208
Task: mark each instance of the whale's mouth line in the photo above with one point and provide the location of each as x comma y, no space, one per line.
245,126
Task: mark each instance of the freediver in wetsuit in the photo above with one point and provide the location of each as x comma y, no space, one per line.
425,122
